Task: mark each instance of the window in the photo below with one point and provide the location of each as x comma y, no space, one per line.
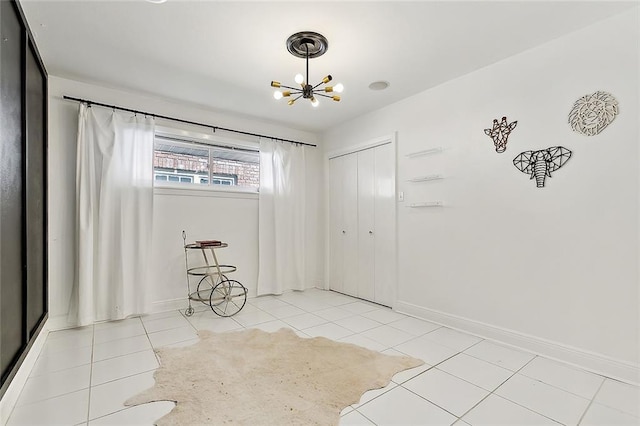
180,161
164,177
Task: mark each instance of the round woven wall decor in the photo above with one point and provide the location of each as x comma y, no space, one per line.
592,113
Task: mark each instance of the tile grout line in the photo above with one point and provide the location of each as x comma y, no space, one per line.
429,369
55,372
356,410
593,399
120,378
93,342
514,402
460,418
564,390
513,373
409,390
155,354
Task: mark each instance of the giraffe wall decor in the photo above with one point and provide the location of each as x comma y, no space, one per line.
500,133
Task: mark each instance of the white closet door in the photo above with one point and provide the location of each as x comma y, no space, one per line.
366,224
350,224
385,225
336,237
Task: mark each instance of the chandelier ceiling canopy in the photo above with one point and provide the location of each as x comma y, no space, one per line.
307,44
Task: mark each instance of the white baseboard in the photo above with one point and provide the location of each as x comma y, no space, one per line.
59,322
601,364
12,393
170,305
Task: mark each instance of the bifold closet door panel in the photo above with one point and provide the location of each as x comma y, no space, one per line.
385,221
12,335
366,224
36,190
350,223
336,237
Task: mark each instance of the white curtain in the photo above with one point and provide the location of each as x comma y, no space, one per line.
114,210
281,218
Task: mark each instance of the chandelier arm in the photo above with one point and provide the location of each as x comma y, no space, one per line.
292,88
323,95
317,85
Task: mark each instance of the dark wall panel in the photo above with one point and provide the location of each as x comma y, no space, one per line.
36,190
23,191
13,338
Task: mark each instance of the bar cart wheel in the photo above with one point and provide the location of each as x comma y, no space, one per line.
228,298
205,285
189,311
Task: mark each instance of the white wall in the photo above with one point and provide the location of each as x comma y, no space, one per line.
556,267
232,217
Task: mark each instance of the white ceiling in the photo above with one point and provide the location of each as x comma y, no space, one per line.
224,54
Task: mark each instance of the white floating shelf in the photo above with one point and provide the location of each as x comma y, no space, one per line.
425,152
426,204
426,178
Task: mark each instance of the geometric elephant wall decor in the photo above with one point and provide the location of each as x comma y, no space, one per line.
592,113
540,164
500,132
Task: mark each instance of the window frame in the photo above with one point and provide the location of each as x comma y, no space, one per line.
206,141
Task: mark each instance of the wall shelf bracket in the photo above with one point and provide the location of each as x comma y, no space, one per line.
426,178
426,204
429,151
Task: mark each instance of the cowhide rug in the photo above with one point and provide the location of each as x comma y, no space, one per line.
253,377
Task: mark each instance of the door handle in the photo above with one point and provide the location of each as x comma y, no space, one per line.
344,232
370,232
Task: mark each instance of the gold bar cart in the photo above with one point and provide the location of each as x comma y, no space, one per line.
224,296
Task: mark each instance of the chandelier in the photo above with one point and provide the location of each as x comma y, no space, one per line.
307,44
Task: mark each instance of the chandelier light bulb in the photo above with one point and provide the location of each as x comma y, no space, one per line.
299,78
277,94
314,102
338,88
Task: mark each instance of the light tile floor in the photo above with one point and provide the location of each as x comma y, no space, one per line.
84,375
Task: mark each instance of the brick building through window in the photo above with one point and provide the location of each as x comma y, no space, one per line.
185,162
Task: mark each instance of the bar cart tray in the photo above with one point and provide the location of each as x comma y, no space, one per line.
211,270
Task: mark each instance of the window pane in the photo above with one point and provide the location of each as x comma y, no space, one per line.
235,167
180,162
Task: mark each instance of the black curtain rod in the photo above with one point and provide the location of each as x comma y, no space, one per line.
88,102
